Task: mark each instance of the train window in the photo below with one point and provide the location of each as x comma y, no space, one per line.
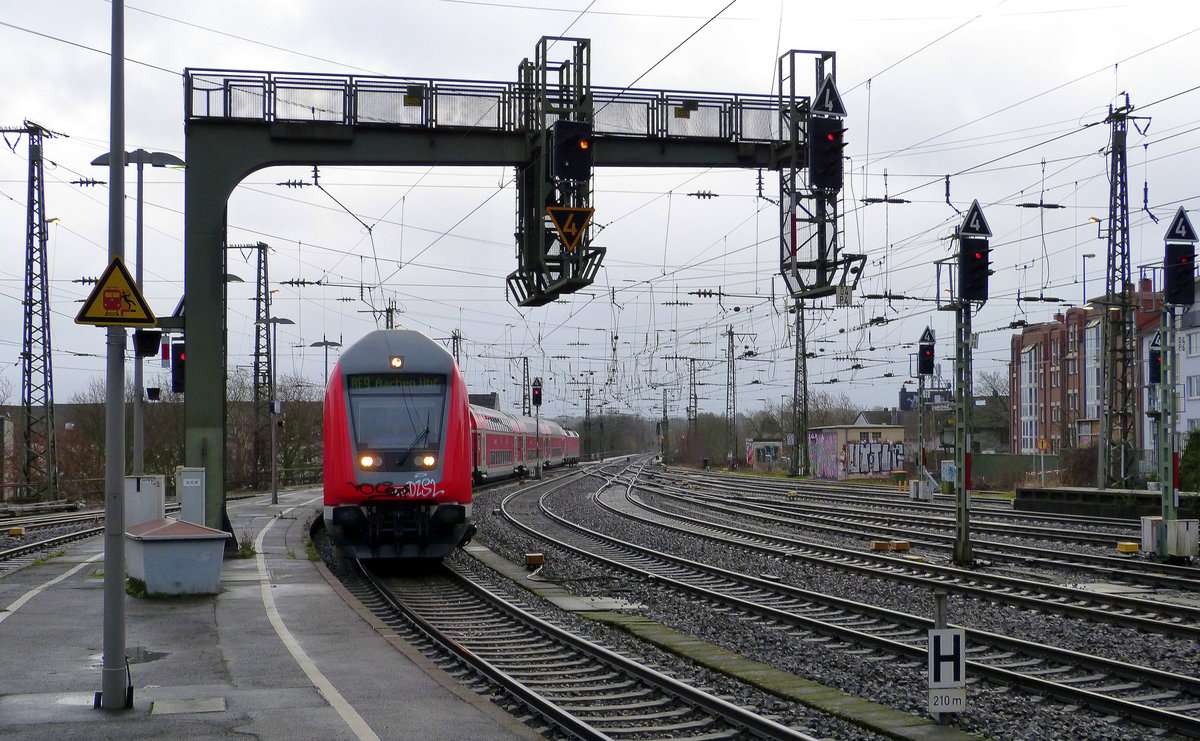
395,412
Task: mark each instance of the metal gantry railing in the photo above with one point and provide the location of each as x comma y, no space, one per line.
446,103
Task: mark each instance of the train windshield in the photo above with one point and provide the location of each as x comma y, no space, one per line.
397,412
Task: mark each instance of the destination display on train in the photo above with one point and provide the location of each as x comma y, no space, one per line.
426,381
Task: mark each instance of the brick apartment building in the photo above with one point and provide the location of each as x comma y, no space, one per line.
1054,376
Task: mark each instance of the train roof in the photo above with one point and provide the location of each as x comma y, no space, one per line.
494,419
374,351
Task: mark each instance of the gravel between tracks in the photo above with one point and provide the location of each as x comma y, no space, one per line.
998,712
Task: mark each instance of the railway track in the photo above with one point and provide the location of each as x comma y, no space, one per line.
1115,609
934,516
1146,695
20,556
1104,568
572,684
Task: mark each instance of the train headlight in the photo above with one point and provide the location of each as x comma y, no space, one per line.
429,461
370,461
396,362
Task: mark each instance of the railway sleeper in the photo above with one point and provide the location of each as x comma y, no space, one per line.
551,683
578,699
563,664
591,706
1122,687
569,675
517,637
1155,697
1083,680
1022,664
1050,670
699,723
548,653
677,711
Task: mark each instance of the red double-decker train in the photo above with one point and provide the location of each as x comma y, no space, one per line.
403,447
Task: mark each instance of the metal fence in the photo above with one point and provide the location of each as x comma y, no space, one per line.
433,103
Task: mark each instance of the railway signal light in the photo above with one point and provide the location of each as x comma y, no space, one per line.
178,356
925,359
826,140
571,150
1155,374
973,269
537,392
146,342
1179,284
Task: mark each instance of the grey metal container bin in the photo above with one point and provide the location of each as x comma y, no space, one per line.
174,557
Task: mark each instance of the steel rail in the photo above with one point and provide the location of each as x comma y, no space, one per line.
1143,675
950,578
715,707
1178,577
839,491
946,522
48,543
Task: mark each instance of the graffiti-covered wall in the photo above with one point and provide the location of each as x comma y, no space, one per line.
824,448
870,459
855,450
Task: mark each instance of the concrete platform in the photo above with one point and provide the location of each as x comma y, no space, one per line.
1080,500
276,655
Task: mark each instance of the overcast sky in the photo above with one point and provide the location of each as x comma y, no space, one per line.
1008,98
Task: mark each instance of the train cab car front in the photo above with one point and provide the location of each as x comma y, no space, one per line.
397,444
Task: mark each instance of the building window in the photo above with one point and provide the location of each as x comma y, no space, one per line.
1193,387
1091,354
1030,397
1191,343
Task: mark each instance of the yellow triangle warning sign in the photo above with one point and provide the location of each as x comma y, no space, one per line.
116,301
571,223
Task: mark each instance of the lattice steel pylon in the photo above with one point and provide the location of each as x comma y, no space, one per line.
39,468
1116,456
730,402
262,369
693,399
526,405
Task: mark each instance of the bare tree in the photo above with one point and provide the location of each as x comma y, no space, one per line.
992,415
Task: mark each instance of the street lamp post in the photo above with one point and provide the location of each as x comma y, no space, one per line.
326,344
141,158
273,340
1086,257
